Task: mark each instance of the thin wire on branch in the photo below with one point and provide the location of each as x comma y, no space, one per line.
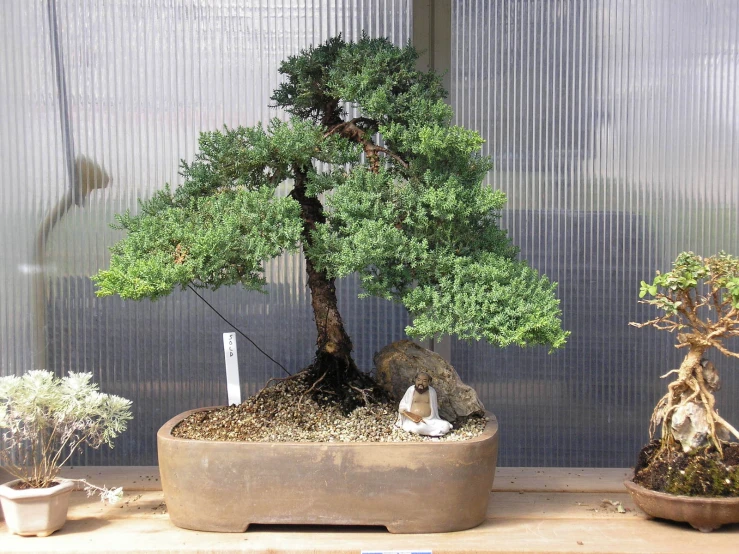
238,330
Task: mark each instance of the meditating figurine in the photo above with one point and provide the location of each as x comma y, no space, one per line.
419,409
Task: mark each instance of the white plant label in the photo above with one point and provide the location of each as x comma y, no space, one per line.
233,386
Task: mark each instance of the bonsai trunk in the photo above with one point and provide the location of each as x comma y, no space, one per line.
332,339
680,392
691,385
334,371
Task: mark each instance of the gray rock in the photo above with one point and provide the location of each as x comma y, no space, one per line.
690,426
398,363
689,423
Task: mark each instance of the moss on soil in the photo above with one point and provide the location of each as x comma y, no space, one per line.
700,473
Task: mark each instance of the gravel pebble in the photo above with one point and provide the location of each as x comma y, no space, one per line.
283,413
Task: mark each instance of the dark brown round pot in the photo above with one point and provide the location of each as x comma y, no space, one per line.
703,513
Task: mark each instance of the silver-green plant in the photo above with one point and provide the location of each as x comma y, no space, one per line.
45,419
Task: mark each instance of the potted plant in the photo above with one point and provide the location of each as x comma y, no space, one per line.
392,192
691,473
44,420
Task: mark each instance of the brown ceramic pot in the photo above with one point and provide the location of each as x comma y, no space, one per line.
419,487
703,513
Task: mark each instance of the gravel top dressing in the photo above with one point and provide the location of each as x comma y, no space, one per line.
287,412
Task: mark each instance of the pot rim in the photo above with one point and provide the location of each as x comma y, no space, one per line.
7,491
638,489
165,432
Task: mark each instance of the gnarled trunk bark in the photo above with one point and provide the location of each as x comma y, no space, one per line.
688,377
335,376
332,340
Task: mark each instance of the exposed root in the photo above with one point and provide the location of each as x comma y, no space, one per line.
728,426
669,373
312,387
706,472
337,381
709,402
658,416
689,387
364,392
276,380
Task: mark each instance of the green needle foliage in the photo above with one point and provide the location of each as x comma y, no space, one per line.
393,193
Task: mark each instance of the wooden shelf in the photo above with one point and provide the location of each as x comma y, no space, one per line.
531,510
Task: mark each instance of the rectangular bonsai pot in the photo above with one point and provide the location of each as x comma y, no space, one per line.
413,487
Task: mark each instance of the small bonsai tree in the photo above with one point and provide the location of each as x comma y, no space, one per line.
700,301
45,419
393,193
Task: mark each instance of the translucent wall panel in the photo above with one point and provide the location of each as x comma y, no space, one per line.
128,84
613,126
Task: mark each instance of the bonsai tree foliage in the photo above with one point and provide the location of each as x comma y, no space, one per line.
392,192
700,301
45,419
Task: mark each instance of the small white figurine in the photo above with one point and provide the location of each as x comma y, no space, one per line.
419,409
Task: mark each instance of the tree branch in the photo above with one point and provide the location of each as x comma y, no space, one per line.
393,155
351,124
663,323
721,348
350,130
688,309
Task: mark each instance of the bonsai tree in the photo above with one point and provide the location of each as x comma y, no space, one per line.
392,192
45,419
700,301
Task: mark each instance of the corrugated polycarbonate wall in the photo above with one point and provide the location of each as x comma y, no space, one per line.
613,126
614,129
137,81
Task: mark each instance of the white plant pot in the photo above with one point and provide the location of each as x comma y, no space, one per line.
37,512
